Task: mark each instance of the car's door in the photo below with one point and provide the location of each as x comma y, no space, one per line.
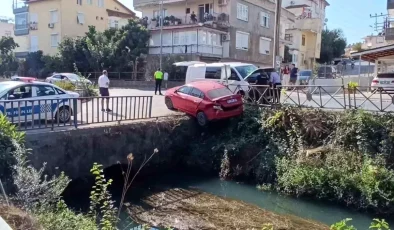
18,104
179,100
46,102
193,100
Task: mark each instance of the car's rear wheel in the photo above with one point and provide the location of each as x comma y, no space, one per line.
202,119
63,115
169,103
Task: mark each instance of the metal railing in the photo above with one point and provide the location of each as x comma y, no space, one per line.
31,114
340,97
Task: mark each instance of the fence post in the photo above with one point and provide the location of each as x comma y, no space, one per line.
75,112
150,106
350,101
119,75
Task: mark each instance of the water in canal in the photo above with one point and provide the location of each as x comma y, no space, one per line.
272,201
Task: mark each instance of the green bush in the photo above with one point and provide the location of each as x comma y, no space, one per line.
66,85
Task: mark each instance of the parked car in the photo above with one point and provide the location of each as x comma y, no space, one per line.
23,101
329,72
383,81
70,77
235,78
304,76
204,100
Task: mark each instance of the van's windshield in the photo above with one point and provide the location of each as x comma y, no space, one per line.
245,70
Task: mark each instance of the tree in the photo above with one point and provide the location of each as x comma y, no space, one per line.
332,46
8,62
357,46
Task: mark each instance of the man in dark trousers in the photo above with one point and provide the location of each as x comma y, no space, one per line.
158,79
293,75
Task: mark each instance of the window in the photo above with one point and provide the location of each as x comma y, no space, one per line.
43,90
245,70
221,92
242,12
209,38
33,18
89,2
176,38
20,93
242,40
156,13
294,58
54,40
79,2
196,93
193,37
264,19
100,3
81,18
303,40
33,43
54,16
265,45
202,37
184,90
213,72
187,10
289,37
21,21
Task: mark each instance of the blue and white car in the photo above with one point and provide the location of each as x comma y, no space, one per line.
23,101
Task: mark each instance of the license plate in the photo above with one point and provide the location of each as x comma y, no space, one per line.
231,101
384,82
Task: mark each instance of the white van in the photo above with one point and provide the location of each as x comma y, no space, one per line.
231,74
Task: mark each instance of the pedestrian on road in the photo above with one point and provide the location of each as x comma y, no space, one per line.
158,79
293,75
165,78
277,87
286,76
103,83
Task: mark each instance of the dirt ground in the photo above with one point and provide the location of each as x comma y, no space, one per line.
17,219
190,209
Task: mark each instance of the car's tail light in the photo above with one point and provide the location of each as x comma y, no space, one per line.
375,81
217,107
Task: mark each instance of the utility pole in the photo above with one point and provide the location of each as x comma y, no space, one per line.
376,16
277,59
161,33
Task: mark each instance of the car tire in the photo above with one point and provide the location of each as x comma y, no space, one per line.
202,119
169,103
63,115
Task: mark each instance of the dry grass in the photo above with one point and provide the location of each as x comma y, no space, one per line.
18,219
186,209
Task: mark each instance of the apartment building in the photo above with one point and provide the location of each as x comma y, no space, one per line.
373,41
306,34
389,25
212,30
6,27
43,24
287,22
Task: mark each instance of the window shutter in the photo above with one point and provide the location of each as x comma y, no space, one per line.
246,13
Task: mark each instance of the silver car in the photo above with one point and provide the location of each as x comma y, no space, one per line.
71,77
383,81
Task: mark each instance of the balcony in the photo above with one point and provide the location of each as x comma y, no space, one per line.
389,35
390,4
309,24
20,7
213,20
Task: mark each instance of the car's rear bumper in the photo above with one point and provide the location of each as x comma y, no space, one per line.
224,114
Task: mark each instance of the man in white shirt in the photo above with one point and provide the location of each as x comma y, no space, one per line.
277,86
103,83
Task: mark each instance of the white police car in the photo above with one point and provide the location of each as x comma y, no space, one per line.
25,100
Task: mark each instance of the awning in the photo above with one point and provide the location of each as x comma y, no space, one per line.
374,54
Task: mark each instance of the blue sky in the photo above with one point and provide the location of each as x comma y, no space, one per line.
352,16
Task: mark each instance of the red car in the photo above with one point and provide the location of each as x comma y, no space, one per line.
205,100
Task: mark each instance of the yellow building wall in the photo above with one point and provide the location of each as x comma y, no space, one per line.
67,25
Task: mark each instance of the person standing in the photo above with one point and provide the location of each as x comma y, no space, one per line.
293,75
103,83
158,80
276,85
285,73
165,78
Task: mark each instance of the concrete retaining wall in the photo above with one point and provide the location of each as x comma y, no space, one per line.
332,85
74,152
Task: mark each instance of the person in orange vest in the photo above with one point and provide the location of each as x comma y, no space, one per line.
158,79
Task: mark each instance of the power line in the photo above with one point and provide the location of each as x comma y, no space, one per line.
376,24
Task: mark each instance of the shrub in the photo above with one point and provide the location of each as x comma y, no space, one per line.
66,85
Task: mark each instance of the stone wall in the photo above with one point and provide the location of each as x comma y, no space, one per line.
74,152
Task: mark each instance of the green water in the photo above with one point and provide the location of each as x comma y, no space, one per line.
272,201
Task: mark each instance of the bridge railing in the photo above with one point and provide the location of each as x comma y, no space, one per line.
338,97
30,114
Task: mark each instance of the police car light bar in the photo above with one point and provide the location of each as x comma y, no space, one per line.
24,79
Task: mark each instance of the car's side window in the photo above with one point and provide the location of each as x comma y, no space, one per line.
196,93
59,91
56,76
233,76
184,90
20,93
213,72
44,90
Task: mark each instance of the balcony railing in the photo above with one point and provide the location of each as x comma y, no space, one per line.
210,19
20,7
389,35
